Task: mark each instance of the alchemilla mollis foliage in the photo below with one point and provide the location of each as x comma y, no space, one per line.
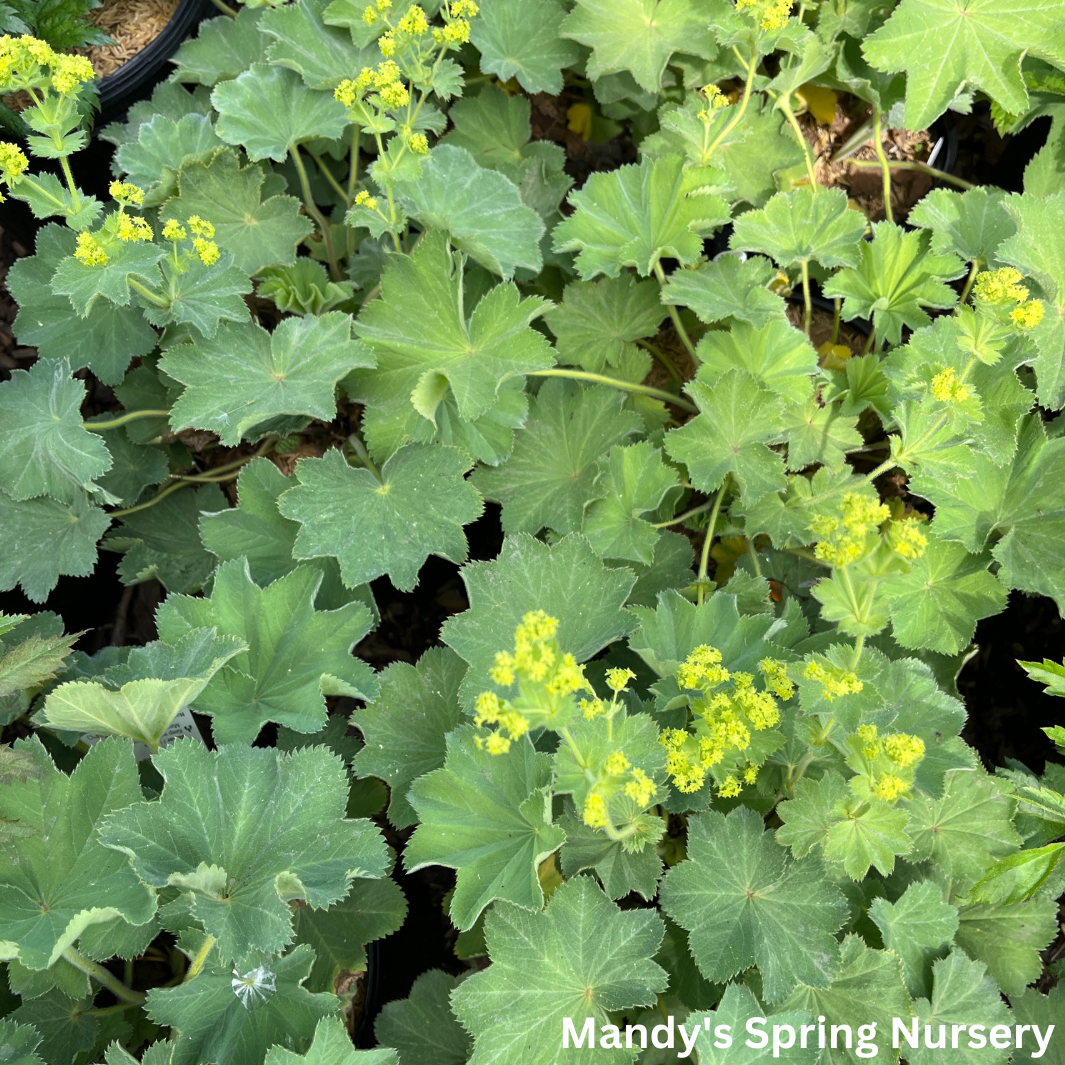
694,748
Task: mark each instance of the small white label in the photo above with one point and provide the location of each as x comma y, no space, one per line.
183,726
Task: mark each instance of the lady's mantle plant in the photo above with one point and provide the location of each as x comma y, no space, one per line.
711,671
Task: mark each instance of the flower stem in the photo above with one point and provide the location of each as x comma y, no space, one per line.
224,8
364,457
678,325
878,147
663,358
704,558
158,497
702,508
807,300
103,976
922,168
784,103
123,419
627,386
737,118
312,209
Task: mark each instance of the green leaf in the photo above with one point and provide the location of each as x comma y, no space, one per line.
61,880
619,871
296,655
857,833
965,830
1029,251
43,539
639,36
19,1042
1036,1008
33,654
133,468
581,958
1047,672
636,481
488,817
268,828
919,927
372,909
258,233
737,1006
481,209
819,434
210,1022
268,111
105,341
405,726
163,541
245,375
671,568
67,1028
945,48
895,280
142,697
422,1027
520,39
46,449
728,287
1020,876
86,285
203,296
777,355
744,902
332,1046
256,530
938,603
803,225
390,524
1008,939
551,476
422,338
163,146
566,580
322,55
738,418
223,48
597,321
868,989
637,215
971,224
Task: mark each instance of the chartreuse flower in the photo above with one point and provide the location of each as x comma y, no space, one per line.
771,14
1003,287
834,682
13,163
29,63
885,765
726,720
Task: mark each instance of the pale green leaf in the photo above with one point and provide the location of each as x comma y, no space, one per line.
744,902
737,1006
1019,876
819,434
62,880
388,525
331,1046
638,215
566,580
619,871
296,655
1035,1008
202,295
163,146
581,958
405,726
971,224
422,1027
19,1041
550,478
639,35
67,1028
87,285
133,467
223,48
268,111
1008,939
488,817
245,375
520,39
244,830
300,40
728,287
33,653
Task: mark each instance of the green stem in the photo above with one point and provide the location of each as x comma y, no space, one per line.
364,457
878,147
105,1010
328,175
627,386
969,282
784,103
856,657
25,180
158,497
148,294
807,300
131,416
737,118
835,318
663,358
224,8
754,557
701,509
922,168
103,976
704,558
312,208
678,325
197,963
75,203
353,177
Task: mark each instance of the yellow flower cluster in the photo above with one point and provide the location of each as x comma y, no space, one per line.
418,143
715,100
844,539
369,15
946,388
776,677
892,757
413,22
200,228
13,162
890,787
89,251
364,199
22,57
489,709
702,669
773,14
906,539
202,231
133,229
592,708
174,230
1027,315
834,682
126,194
640,788
1005,286
617,680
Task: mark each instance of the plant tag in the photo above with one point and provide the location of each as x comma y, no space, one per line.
183,726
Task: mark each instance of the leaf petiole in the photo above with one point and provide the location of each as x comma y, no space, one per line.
627,386
104,977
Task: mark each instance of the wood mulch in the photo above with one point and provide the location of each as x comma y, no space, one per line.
132,24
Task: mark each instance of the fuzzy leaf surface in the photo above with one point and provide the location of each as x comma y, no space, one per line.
520,39
422,1027
242,830
331,1046
728,288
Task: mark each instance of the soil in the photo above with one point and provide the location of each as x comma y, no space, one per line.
132,25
